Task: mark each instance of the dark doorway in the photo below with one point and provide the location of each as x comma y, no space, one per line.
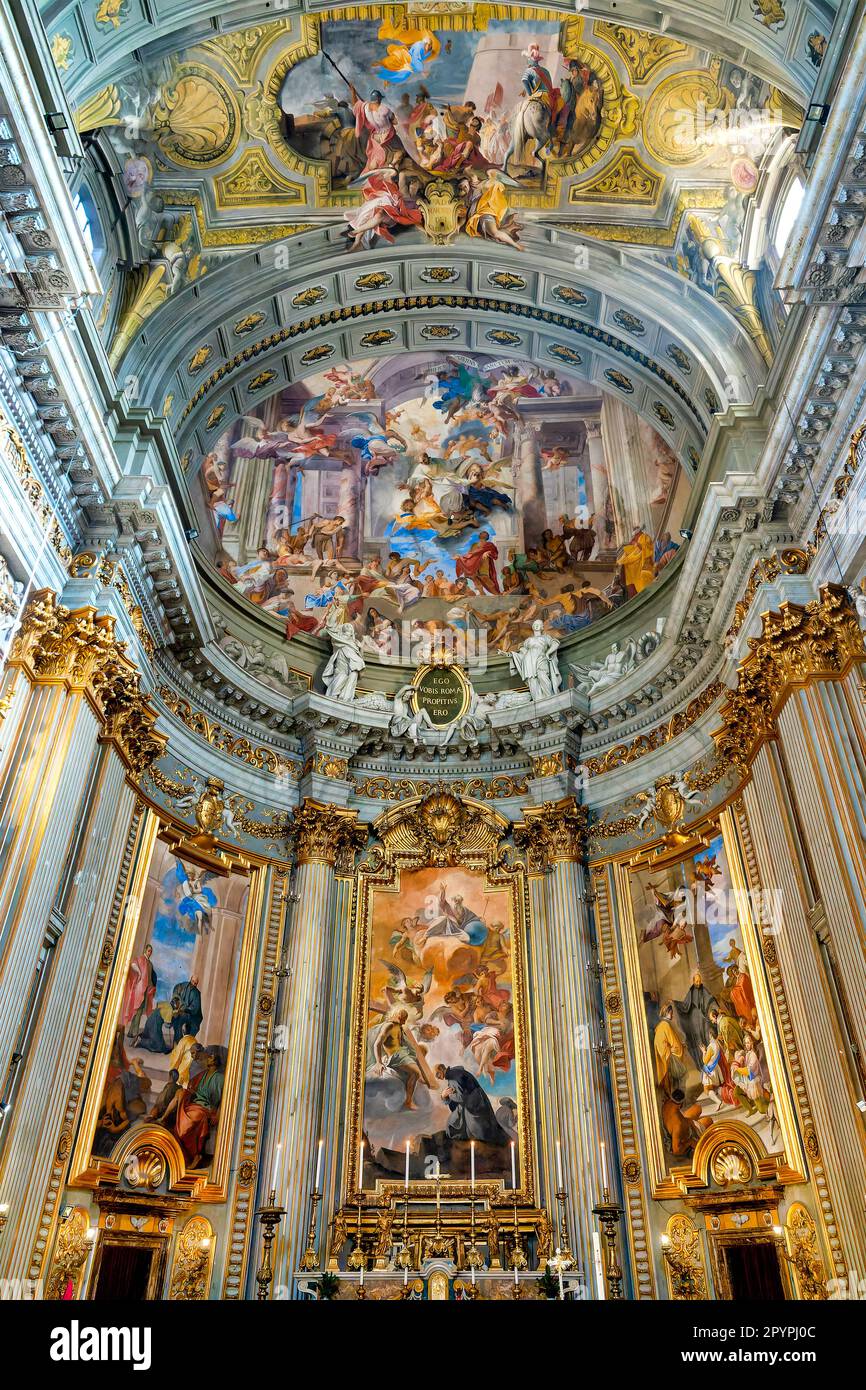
754,1275
125,1272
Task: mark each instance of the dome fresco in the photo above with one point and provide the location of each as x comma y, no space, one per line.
450,495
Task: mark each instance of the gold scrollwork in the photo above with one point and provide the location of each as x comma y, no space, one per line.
818,641
325,834
684,1260
193,1259
77,646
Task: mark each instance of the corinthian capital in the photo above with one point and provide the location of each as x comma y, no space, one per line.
552,833
322,834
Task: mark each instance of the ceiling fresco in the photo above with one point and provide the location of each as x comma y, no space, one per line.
465,127
440,495
440,302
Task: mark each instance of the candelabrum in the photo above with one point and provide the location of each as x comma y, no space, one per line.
310,1257
474,1257
270,1216
518,1256
404,1255
609,1213
357,1258
564,1246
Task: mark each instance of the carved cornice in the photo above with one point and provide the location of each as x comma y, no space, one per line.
77,648
555,832
820,641
322,834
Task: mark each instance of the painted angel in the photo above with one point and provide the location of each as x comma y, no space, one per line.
403,993
194,899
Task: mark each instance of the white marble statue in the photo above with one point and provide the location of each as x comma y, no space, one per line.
340,676
620,661
535,662
405,722
858,598
477,717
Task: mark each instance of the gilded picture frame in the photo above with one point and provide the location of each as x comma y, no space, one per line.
669,1177
440,833
149,1147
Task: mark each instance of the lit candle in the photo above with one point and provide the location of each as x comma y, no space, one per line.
318,1166
513,1167
406,1183
276,1166
603,1167
361,1172
472,1159
560,1184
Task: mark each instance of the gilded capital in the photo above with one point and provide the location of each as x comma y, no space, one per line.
798,644
552,833
322,834
78,648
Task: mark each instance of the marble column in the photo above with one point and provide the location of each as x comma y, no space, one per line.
833,1127
626,468
530,482
324,838
572,1083
796,722
79,726
599,489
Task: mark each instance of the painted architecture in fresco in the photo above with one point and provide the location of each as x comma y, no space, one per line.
448,492
170,1046
441,1068
706,1036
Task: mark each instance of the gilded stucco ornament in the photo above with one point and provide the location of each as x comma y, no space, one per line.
322,834
193,1257
552,833
70,1256
77,647
798,644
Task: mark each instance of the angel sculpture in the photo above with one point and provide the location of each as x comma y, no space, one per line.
406,723
403,993
194,899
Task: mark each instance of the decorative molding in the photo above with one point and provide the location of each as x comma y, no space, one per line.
820,641
193,1261
77,647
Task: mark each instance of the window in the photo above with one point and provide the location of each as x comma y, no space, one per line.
87,217
791,204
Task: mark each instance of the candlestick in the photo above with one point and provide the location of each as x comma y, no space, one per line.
604,1187
406,1183
472,1160
559,1181
270,1216
318,1166
276,1167
361,1172
609,1213
310,1258
513,1167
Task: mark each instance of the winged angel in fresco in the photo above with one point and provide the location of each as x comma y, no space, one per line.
410,56
194,899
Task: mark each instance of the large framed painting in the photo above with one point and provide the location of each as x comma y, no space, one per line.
439,1057
168,1056
706,1047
